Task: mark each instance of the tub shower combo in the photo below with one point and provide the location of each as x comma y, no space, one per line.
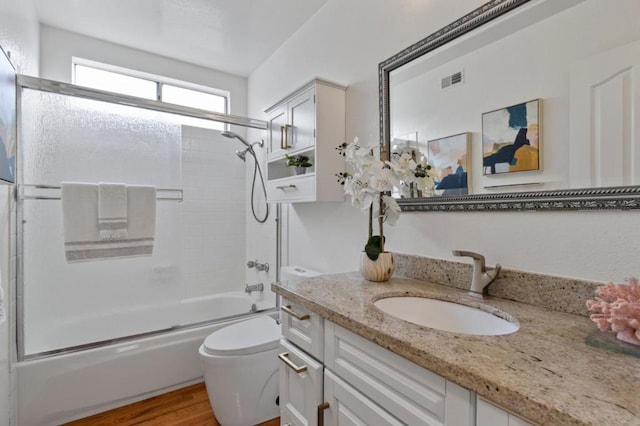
92,335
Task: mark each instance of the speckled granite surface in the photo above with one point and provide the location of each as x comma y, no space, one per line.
544,372
547,291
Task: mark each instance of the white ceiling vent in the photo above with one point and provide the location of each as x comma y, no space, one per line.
452,80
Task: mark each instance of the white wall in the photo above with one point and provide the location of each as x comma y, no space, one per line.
212,220
59,46
19,34
345,42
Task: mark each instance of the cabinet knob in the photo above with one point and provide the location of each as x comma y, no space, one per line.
284,357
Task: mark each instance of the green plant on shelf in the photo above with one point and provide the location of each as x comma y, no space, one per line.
297,161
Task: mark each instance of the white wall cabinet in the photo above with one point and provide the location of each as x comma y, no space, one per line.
309,122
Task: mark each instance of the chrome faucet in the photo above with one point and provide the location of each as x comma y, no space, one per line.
481,277
262,266
255,287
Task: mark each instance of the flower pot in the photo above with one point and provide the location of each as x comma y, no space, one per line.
378,270
301,170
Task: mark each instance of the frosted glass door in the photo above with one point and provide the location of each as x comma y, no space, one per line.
71,139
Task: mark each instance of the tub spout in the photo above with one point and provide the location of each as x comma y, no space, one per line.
255,287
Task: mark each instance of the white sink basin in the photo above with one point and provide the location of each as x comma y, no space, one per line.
446,316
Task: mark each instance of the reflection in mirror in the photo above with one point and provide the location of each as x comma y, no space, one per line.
539,95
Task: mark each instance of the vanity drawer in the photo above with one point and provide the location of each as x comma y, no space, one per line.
301,383
303,328
295,188
404,389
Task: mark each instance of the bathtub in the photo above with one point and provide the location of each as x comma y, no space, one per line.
73,385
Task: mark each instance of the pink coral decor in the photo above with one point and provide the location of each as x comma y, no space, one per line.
617,307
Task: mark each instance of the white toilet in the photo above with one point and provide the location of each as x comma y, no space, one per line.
240,364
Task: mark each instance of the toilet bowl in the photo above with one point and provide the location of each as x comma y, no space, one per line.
240,364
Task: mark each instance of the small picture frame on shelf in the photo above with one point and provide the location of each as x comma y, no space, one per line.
511,138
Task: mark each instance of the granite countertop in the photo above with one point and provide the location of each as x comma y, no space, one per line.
545,372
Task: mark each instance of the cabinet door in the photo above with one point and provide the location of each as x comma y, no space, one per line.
347,406
491,415
409,392
302,118
300,386
277,120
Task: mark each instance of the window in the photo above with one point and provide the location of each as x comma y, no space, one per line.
115,82
148,86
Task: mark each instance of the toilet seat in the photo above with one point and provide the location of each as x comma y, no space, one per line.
245,337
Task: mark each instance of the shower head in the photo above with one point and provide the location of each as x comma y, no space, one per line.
242,154
232,135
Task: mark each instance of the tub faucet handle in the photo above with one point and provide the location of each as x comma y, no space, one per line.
251,264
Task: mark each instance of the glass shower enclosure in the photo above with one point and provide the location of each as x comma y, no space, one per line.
196,272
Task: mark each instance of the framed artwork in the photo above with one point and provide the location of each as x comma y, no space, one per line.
7,119
511,138
449,159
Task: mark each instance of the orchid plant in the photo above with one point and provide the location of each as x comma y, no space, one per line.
369,183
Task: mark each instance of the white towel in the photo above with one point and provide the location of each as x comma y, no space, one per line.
112,211
82,240
141,215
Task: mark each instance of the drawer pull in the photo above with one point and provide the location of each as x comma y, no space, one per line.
284,357
321,409
294,314
283,187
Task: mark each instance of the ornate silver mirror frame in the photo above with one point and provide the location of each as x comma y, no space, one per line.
606,198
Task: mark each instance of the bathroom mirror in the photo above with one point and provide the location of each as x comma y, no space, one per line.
520,105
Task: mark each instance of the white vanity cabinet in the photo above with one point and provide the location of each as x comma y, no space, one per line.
301,371
309,122
367,384
489,414
331,376
301,385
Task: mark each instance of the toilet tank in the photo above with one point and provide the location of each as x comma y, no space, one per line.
292,272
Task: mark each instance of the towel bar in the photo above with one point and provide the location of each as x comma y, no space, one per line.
164,194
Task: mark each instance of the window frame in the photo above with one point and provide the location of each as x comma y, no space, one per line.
157,79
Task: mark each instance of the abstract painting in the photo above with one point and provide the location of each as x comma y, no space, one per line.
449,159
7,119
511,138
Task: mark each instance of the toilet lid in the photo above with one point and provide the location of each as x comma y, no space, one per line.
244,337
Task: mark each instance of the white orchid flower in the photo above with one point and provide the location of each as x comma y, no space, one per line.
403,165
392,211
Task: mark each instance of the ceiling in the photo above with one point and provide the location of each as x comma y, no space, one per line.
234,36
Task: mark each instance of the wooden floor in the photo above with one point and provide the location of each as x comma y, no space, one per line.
184,407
